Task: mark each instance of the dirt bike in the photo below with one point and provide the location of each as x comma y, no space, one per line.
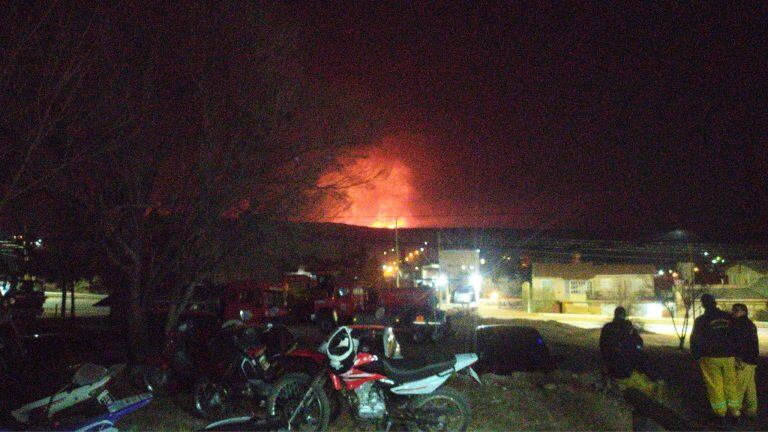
80,402
376,387
249,361
184,357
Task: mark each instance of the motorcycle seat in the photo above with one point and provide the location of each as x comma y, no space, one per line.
407,370
89,373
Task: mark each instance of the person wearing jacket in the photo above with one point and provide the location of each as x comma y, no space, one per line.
621,351
712,347
746,349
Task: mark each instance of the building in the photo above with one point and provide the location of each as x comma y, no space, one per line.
746,273
589,288
457,268
458,264
754,297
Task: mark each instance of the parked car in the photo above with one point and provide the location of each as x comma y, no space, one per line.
504,349
28,295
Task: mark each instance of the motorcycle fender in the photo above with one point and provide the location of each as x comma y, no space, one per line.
423,386
336,381
474,375
464,360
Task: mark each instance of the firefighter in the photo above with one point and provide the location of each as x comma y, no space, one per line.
746,349
712,347
621,351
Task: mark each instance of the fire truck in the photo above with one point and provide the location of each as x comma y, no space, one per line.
264,300
409,310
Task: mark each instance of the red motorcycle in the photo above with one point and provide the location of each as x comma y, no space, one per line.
364,370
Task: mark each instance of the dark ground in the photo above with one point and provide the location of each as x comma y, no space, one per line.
93,340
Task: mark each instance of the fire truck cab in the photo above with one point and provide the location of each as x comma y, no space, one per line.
412,310
265,301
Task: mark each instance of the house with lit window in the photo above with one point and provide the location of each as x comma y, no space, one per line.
588,288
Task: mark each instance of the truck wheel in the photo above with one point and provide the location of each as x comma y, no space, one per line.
326,322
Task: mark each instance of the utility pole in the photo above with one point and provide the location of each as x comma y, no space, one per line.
397,256
443,290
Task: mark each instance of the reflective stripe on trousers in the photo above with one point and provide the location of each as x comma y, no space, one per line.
719,375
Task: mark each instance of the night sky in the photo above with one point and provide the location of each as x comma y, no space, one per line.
592,116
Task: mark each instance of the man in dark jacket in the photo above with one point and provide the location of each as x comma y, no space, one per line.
621,351
747,352
712,347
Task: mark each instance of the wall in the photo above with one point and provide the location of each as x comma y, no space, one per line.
546,293
754,306
619,286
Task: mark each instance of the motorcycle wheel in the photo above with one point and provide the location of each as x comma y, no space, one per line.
156,379
445,409
285,396
213,400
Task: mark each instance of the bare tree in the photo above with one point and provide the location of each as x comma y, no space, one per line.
46,58
237,137
680,297
625,296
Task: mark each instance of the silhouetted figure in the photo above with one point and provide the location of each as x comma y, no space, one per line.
712,346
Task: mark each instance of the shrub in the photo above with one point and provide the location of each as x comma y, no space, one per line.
761,315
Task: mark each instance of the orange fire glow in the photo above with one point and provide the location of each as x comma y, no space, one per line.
382,200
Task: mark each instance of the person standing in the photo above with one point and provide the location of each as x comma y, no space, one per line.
747,352
621,349
712,347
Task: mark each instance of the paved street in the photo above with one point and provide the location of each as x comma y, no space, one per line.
662,326
83,304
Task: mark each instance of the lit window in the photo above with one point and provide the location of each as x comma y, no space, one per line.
578,287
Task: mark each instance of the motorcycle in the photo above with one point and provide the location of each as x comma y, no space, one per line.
376,386
185,355
82,404
249,362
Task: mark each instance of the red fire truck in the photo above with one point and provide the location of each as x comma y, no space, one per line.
411,310
265,301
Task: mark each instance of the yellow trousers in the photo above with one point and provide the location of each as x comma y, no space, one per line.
745,378
720,377
642,383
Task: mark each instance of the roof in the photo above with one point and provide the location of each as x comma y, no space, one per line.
758,266
589,270
739,293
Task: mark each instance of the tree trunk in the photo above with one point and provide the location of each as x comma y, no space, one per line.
684,332
178,306
136,320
